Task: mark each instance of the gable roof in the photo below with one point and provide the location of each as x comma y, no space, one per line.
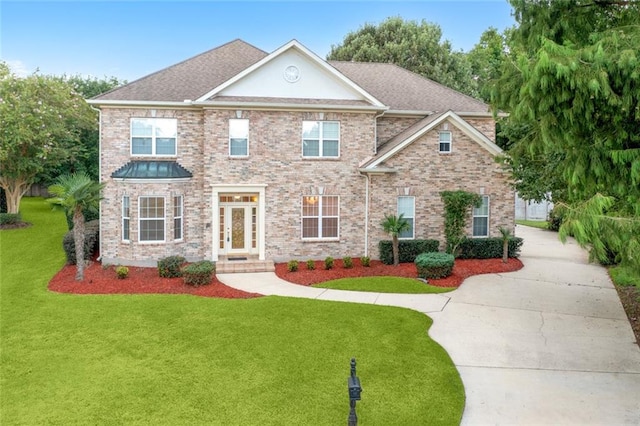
411,134
191,78
403,90
315,59
383,86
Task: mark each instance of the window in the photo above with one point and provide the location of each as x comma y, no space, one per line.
481,218
320,139
177,217
126,218
320,216
153,136
445,141
238,138
406,207
151,218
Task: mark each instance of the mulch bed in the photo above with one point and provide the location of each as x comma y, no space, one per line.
15,225
463,268
99,280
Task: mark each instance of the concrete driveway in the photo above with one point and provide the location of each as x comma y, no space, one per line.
549,344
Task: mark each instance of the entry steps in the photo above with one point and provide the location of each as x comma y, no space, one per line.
239,264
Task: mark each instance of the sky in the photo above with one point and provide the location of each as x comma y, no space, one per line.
130,39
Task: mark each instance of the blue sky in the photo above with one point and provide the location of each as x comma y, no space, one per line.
130,39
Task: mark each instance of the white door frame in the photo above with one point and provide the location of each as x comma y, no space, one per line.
218,189
228,227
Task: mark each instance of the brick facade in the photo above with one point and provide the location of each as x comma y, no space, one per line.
275,160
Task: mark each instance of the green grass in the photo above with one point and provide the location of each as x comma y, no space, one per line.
185,360
383,285
624,276
542,224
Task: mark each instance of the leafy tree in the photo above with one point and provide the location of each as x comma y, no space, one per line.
75,194
87,158
41,119
486,58
394,226
413,45
573,81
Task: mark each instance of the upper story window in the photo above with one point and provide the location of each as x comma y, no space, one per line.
407,208
321,139
154,136
481,218
238,137
445,141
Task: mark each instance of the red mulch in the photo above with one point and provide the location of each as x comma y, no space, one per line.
140,280
463,268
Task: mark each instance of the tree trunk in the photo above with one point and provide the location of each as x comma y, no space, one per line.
396,251
78,239
505,250
14,190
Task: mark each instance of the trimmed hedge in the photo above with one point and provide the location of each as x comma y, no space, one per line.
487,248
434,265
169,267
408,249
91,237
199,273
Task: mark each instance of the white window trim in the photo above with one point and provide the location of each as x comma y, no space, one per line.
239,156
413,228
450,142
140,220
320,139
319,217
128,218
153,138
181,217
488,215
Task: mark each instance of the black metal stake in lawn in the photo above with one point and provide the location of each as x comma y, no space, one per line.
355,389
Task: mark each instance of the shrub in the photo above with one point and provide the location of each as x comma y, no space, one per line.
409,249
198,273
488,248
347,262
328,262
365,261
292,266
556,216
122,272
91,237
434,265
9,218
169,267
311,264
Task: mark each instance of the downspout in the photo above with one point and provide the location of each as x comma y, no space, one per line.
366,215
99,175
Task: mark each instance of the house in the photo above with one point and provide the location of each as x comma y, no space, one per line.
238,153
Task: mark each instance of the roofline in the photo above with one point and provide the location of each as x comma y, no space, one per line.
471,131
297,45
285,106
110,102
424,113
377,170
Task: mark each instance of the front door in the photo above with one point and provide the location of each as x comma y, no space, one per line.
238,229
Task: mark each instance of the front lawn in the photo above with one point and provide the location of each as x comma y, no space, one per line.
384,285
541,224
186,360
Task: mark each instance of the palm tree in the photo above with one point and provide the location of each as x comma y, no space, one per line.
394,226
505,234
75,194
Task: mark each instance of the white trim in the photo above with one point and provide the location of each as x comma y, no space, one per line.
260,189
413,225
293,44
108,102
247,138
450,142
284,106
488,216
123,218
320,216
153,137
175,217
454,119
164,220
321,139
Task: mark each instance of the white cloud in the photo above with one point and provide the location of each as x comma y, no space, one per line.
18,67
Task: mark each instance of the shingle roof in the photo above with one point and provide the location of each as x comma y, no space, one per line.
152,170
404,90
397,88
191,78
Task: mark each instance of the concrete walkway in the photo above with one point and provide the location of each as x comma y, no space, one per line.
549,344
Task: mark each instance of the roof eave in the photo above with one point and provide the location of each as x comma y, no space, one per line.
377,170
127,103
288,106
